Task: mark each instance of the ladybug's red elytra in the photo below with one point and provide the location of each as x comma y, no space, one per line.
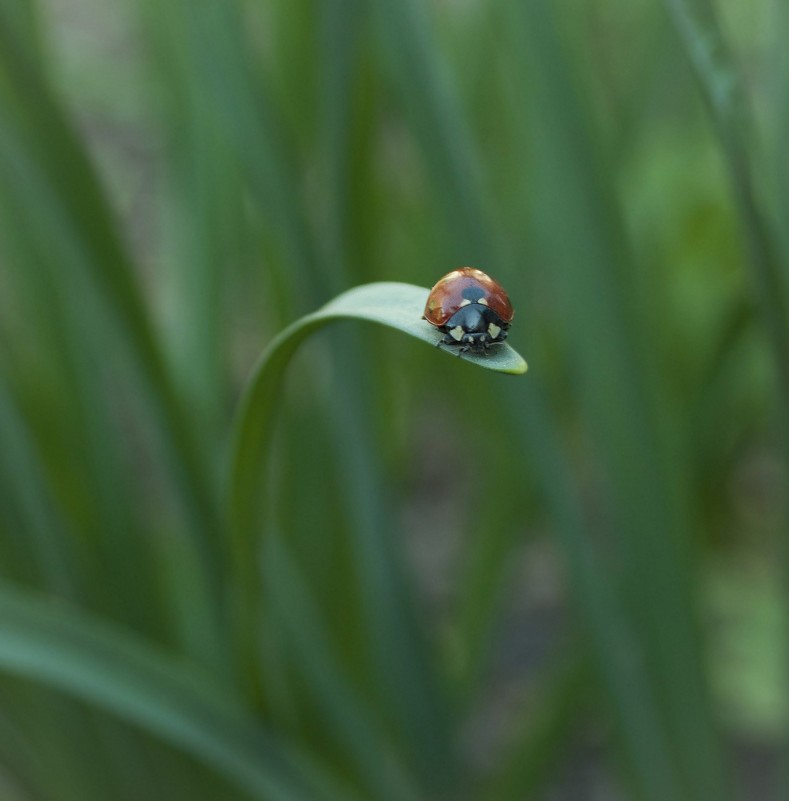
470,309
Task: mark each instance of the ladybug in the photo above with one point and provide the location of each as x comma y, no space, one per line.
470,308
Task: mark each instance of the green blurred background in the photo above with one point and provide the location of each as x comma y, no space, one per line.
568,585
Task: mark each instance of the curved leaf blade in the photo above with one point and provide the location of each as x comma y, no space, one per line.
400,306
393,304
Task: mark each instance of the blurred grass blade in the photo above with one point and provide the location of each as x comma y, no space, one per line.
342,28
396,653
409,693
22,18
443,134
723,90
209,40
619,400
60,199
486,578
345,711
22,474
613,646
433,109
21,763
544,730
64,388
778,99
206,225
120,674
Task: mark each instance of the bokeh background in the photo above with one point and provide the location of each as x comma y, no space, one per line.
568,585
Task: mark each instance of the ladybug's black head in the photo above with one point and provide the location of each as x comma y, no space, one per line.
475,326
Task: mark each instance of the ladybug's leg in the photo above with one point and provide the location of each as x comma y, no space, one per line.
447,340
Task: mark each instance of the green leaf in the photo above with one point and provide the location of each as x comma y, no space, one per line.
122,675
396,305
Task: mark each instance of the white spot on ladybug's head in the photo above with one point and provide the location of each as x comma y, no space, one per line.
483,301
494,330
465,302
456,333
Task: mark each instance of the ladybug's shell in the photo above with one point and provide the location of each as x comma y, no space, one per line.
446,297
